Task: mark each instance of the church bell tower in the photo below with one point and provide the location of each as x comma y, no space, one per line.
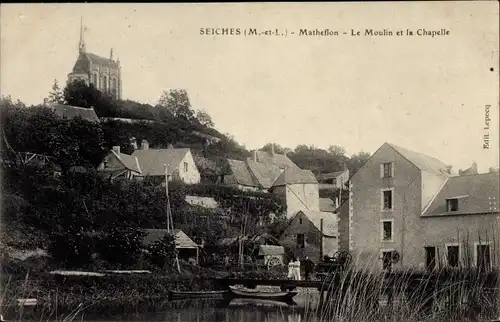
81,46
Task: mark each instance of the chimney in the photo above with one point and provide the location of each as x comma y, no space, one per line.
473,168
116,149
144,145
448,169
255,156
111,54
133,142
272,149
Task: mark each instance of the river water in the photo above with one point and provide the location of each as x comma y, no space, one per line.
236,310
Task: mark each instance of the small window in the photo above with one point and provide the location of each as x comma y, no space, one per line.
185,167
300,221
301,243
453,255
387,170
387,230
387,199
452,205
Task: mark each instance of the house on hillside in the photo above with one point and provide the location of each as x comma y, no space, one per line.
300,189
275,173
68,112
120,165
333,180
312,233
186,247
271,158
411,204
180,164
250,175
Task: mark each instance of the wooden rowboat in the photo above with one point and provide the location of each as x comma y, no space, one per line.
254,294
175,295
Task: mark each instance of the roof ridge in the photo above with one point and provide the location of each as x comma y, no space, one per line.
475,174
413,151
72,106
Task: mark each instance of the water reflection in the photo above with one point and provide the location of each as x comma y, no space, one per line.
236,310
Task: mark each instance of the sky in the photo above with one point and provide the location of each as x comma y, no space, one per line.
424,93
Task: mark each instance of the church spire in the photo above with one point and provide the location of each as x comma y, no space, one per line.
81,45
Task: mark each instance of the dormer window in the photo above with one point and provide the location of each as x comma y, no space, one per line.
452,204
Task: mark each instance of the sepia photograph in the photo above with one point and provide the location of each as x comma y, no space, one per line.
250,162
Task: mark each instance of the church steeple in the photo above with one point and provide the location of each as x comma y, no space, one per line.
81,46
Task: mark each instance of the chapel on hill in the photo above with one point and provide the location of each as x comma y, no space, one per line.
104,73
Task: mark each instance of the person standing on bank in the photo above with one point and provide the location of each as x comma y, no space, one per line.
308,267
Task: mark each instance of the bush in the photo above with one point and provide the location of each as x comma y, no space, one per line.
121,245
162,251
71,247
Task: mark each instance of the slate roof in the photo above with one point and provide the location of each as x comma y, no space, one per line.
295,176
330,175
271,250
181,239
130,162
101,60
69,112
330,227
153,161
279,160
326,205
82,64
242,174
265,174
422,161
472,191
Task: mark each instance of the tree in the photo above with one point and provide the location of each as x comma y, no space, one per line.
57,94
277,148
336,150
356,161
204,118
176,102
78,93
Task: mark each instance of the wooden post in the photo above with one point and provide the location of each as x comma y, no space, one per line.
321,239
170,220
